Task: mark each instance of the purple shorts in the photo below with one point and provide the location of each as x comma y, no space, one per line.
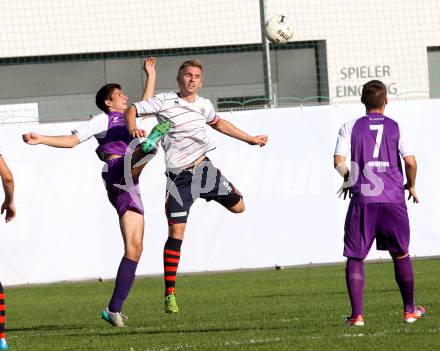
121,199
388,223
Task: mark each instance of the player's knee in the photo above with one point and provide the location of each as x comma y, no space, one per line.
134,251
176,235
399,256
238,208
177,231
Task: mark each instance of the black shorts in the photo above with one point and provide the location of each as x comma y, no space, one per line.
203,181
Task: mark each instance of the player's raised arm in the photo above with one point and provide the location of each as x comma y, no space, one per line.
226,127
60,141
131,112
8,187
150,71
411,172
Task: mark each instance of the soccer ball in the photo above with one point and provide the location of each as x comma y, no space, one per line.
278,29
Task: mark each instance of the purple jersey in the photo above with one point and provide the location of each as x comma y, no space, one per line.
110,132
375,144
113,139
117,138
375,149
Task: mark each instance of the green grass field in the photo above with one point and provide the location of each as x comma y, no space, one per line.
291,309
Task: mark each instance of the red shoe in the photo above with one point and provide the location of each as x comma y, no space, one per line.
419,312
355,322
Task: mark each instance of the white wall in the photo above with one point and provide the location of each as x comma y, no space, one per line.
380,39
65,228
391,35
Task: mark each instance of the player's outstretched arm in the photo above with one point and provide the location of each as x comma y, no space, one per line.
150,70
60,141
8,187
226,127
411,172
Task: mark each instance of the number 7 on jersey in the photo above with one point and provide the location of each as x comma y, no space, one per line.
379,128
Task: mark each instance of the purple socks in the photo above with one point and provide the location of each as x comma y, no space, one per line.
124,281
355,278
405,279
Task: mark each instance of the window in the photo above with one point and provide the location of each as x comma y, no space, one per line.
434,72
64,86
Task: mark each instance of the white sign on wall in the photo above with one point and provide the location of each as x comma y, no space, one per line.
15,113
352,78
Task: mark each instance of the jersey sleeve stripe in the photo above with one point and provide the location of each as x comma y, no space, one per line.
214,121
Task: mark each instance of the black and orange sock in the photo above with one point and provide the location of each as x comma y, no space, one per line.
2,313
171,258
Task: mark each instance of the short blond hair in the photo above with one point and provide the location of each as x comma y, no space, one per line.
190,63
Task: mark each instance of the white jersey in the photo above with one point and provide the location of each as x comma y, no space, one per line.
97,126
187,139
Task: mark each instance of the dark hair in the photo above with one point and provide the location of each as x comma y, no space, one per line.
105,93
374,93
190,63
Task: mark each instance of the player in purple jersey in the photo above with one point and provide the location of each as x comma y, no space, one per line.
377,209
9,207
191,175
115,147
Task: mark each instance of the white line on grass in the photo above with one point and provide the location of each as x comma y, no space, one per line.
387,332
220,344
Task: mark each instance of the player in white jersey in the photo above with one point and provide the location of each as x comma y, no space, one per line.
190,173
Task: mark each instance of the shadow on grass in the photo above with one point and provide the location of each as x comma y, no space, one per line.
320,293
48,328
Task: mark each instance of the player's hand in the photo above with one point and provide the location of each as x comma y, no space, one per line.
344,192
138,133
10,211
150,66
32,138
260,140
411,193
